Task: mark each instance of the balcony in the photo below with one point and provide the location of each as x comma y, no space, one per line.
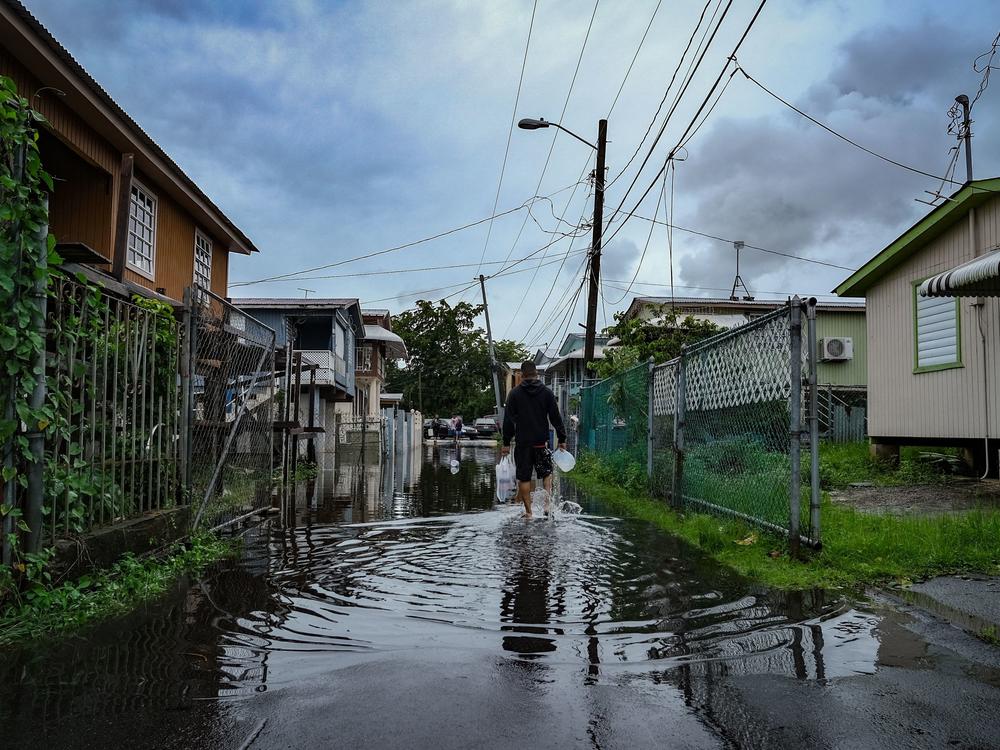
332,369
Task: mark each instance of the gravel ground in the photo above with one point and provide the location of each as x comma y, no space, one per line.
949,497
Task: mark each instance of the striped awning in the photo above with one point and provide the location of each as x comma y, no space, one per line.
977,278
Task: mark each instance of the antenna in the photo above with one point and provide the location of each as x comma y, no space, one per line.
303,289
738,281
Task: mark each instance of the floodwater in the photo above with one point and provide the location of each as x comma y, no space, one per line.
399,606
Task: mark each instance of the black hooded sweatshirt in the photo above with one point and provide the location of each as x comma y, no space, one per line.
530,408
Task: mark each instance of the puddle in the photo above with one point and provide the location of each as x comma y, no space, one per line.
414,565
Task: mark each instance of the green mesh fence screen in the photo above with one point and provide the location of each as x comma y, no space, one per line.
727,404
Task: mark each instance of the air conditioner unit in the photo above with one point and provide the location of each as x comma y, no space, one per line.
836,349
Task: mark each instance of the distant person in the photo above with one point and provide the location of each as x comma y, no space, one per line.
457,426
530,408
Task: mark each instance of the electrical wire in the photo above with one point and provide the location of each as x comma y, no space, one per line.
642,41
405,245
510,130
649,236
562,114
751,247
673,77
691,124
689,77
844,138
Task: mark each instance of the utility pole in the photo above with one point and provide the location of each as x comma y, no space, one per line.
966,134
493,356
595,252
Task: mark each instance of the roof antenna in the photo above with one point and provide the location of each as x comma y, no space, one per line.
738,281
306,291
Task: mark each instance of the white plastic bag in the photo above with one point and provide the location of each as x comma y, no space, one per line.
563,459
506,484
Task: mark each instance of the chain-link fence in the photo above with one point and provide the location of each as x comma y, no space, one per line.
721,427
230,389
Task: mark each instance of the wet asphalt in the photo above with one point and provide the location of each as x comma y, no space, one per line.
399,607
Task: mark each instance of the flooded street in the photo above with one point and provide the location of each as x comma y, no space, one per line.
399,607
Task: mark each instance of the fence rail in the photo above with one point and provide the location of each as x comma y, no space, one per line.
720,428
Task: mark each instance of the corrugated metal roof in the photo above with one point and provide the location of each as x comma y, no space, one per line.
298,303
979,277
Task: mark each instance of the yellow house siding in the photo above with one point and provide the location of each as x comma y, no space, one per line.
948,404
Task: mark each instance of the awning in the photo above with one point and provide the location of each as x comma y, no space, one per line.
977,278
394,345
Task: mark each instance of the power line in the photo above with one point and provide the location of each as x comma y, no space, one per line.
689,77
844,138
691,124
673,77
562,114
642,41
751,247
405,245
563,299
510,130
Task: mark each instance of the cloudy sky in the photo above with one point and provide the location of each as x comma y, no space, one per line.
329,130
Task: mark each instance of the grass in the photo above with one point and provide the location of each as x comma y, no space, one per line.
858,548
990,635
62,609
843,464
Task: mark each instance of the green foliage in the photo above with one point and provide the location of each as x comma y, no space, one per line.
843,464
662,340
49,610
858,548
449,368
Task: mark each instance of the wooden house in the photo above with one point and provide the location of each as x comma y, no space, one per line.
121,207
934,329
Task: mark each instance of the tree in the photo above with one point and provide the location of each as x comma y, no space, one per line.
641,339
449,367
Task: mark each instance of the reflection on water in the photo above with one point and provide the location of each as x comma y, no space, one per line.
403,559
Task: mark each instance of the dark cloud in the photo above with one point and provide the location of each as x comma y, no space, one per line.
784,184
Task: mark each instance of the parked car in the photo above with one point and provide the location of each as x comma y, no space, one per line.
470,431
486,427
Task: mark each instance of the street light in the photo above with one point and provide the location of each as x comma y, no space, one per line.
529,123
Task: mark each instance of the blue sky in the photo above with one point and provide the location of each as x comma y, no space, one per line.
327,130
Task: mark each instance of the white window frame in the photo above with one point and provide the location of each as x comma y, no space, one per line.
151,196
942,305
210,246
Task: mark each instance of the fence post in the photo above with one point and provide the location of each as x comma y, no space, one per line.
680,410
186,416
813,417
649,423
795,422
36,436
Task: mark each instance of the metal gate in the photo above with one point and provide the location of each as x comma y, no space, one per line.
230,386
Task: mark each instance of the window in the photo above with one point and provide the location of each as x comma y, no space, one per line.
142,230
937,332
202,260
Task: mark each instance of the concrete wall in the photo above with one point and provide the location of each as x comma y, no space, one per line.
946,404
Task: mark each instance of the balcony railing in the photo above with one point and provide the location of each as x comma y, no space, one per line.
332,367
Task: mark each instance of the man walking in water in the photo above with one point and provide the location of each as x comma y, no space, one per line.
530,408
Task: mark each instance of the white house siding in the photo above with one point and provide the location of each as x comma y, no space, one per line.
946,404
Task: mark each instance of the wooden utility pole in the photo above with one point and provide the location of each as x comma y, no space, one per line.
493,356
595,251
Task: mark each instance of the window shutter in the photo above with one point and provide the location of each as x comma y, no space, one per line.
937,330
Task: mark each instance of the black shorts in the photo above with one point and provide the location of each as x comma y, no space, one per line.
528,458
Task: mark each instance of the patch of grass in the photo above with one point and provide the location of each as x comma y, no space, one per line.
990,635
843,464
131,581
858,548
